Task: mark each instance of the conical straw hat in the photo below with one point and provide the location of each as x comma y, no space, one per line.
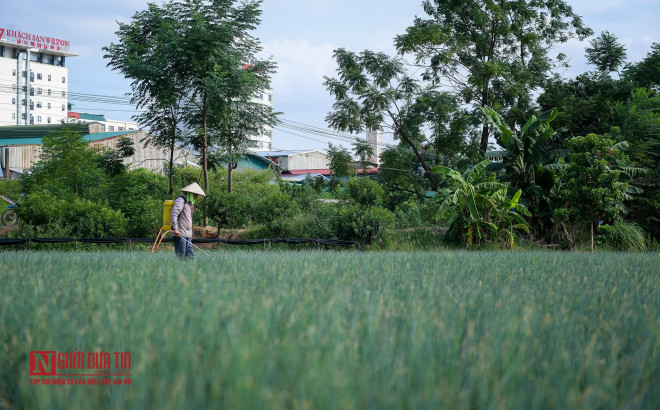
193,188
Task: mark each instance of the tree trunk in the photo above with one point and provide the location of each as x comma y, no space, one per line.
205,167
427,170
230,167
592,237
171,170
485,131
75,177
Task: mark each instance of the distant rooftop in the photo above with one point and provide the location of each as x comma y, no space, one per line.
86,116
284,153
34,134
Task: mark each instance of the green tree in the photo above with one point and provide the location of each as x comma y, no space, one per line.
364,151
340,161
112,161
592,189
186,62
492,53
606,53
146,53
217,49
66,162
374,91
233,115
646,73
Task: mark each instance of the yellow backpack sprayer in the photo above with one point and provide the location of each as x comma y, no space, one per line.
167,224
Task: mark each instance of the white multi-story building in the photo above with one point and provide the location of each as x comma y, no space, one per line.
34,78
263,142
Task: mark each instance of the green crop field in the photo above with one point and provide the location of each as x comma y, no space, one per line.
316,330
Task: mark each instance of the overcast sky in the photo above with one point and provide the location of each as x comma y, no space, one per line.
300,35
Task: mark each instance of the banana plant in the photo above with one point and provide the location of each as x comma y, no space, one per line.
476,208
524,152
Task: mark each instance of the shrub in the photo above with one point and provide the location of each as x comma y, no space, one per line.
364,224
624,236
408,214
88,219
79,218
272,210
364,191
12,189
41,208
318,221
144,216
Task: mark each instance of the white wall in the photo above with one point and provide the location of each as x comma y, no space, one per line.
55,85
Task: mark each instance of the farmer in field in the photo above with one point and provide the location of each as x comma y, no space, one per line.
182,222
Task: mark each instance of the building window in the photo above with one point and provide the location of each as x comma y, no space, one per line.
38,104
31,77
120,129
270,97
48,120
13,101
13,73
261,96
49,106
63,107
40,90
49,77
111,127
39,76
24,74
131,129
39,118
63,80
24,102
63,94
13,115
49,92
23,116
31,92
13,87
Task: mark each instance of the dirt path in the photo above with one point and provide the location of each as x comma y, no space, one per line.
4,198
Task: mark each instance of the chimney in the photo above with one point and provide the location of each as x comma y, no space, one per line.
375,137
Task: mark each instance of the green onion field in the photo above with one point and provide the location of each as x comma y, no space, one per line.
338,330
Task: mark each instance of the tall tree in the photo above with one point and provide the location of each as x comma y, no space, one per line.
217,45
374,91
146,53
606,53
593,189
491,52
185,59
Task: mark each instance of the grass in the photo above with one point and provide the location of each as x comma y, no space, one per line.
339,329
11,189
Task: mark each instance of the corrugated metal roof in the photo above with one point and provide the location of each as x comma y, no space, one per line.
21,131
103,135
283,153
5,141
91,117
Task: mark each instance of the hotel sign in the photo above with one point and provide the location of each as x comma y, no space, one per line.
34,40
